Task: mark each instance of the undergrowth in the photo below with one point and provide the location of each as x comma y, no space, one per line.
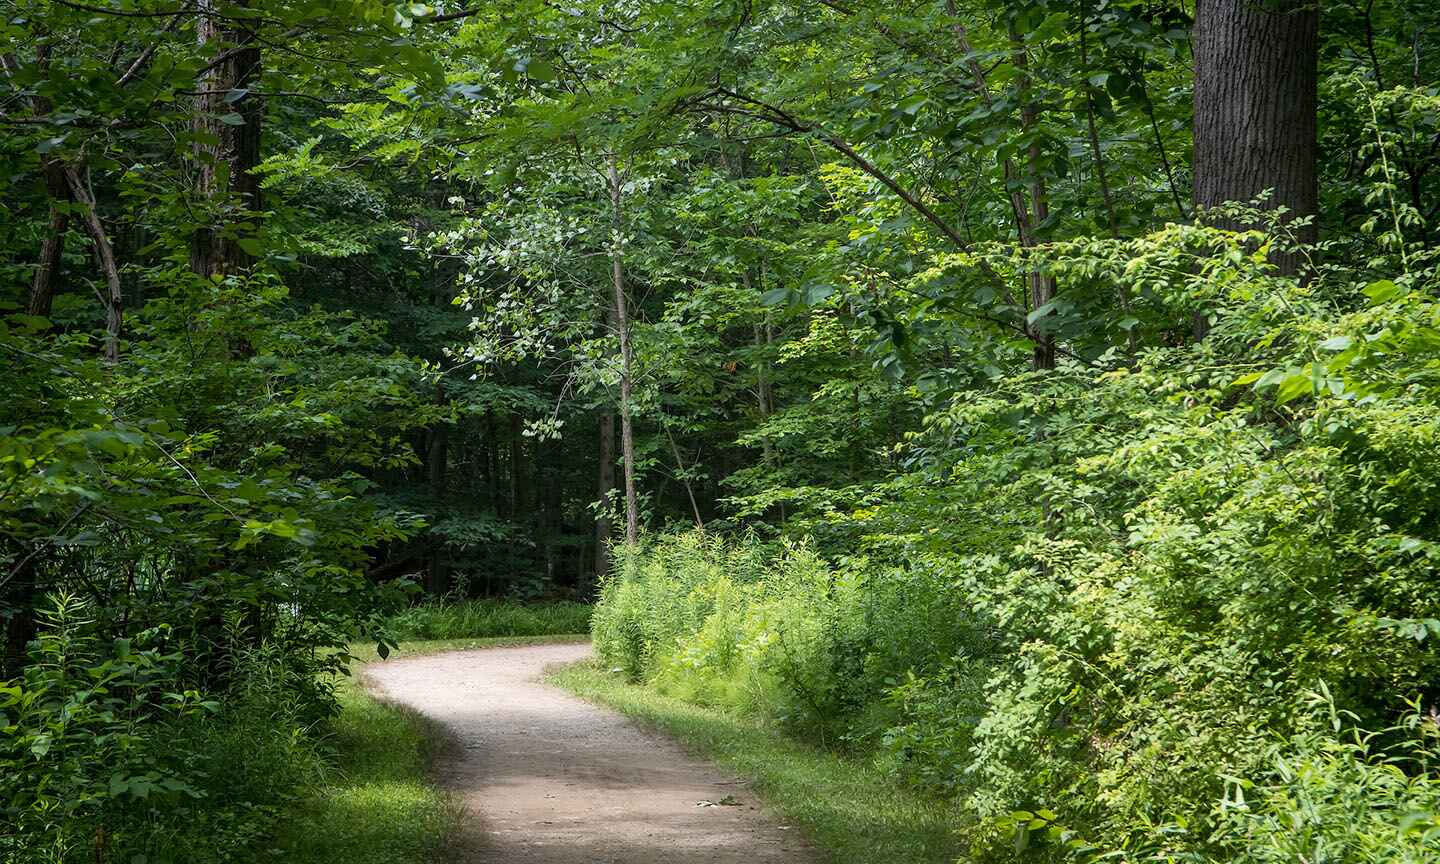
486,618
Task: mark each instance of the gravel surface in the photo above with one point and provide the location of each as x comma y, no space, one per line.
547,778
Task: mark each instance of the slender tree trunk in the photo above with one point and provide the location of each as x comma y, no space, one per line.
105,254
1028,214
492,462
685,479
518,482
622,323
1042,286
47,273
437,460
606,484
1096,156
227,113
1256,73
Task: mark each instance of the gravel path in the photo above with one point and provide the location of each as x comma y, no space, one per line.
547,778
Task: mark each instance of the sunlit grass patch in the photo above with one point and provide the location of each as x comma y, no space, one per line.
849,809
377,806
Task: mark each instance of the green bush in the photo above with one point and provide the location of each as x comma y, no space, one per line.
777,632
1095,594
104,755
478,619
1350,796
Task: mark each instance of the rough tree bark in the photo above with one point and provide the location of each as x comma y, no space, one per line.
225,169
1256,72
622,326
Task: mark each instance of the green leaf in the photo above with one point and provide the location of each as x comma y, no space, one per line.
1293,387
1383,291
1041,312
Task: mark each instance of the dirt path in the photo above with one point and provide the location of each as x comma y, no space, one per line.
549,779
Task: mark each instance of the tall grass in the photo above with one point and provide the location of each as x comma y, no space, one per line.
477,619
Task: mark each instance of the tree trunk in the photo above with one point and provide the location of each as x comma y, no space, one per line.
518,481
492,462
47,274
1256,71
606,484
1042,286
437,459
622,323
105,254
227,112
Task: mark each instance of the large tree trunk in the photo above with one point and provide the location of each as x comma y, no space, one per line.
1256,68
225,169
622,323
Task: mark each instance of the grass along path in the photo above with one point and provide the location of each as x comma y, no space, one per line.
379,804
851,811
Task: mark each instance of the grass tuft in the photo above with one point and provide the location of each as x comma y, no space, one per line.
851,810
377,806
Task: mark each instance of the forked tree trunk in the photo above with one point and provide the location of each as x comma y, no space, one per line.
1256,72
622,325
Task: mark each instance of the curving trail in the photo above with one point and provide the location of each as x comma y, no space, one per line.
547,778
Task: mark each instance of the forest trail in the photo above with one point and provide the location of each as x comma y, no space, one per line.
547,778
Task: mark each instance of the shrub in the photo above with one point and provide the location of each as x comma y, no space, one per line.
104,755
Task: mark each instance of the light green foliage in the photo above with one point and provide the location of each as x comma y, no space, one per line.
776,632
1143,570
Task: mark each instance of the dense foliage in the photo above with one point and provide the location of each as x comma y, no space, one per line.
1053,414
1109,620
